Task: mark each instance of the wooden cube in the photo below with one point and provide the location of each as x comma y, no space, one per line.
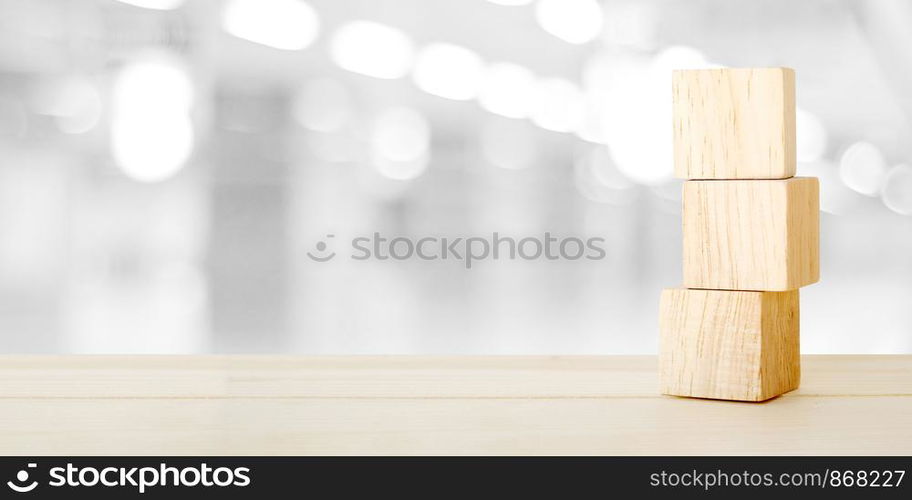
734,123
733,345
751,235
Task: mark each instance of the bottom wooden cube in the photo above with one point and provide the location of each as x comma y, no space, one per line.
723,344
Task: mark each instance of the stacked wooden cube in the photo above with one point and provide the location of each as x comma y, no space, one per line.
751,237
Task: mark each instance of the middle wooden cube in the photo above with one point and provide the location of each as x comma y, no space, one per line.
751,234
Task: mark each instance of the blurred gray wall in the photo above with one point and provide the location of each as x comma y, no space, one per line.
167,165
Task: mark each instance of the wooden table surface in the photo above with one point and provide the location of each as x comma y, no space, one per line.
218,405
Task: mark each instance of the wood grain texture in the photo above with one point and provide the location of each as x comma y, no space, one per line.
734,123
224,405
719,344
751,235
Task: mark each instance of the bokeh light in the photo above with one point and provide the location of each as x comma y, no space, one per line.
401,170
897,189
631,24
678,57
573,21
629,104
151,131
835,197
511,3
372,49
400,143
862,168
280,24
155,4
557,105
811,136
448,71
507,89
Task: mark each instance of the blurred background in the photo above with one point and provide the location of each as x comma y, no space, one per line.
165,166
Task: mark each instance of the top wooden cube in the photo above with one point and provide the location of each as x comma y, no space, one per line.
734,123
